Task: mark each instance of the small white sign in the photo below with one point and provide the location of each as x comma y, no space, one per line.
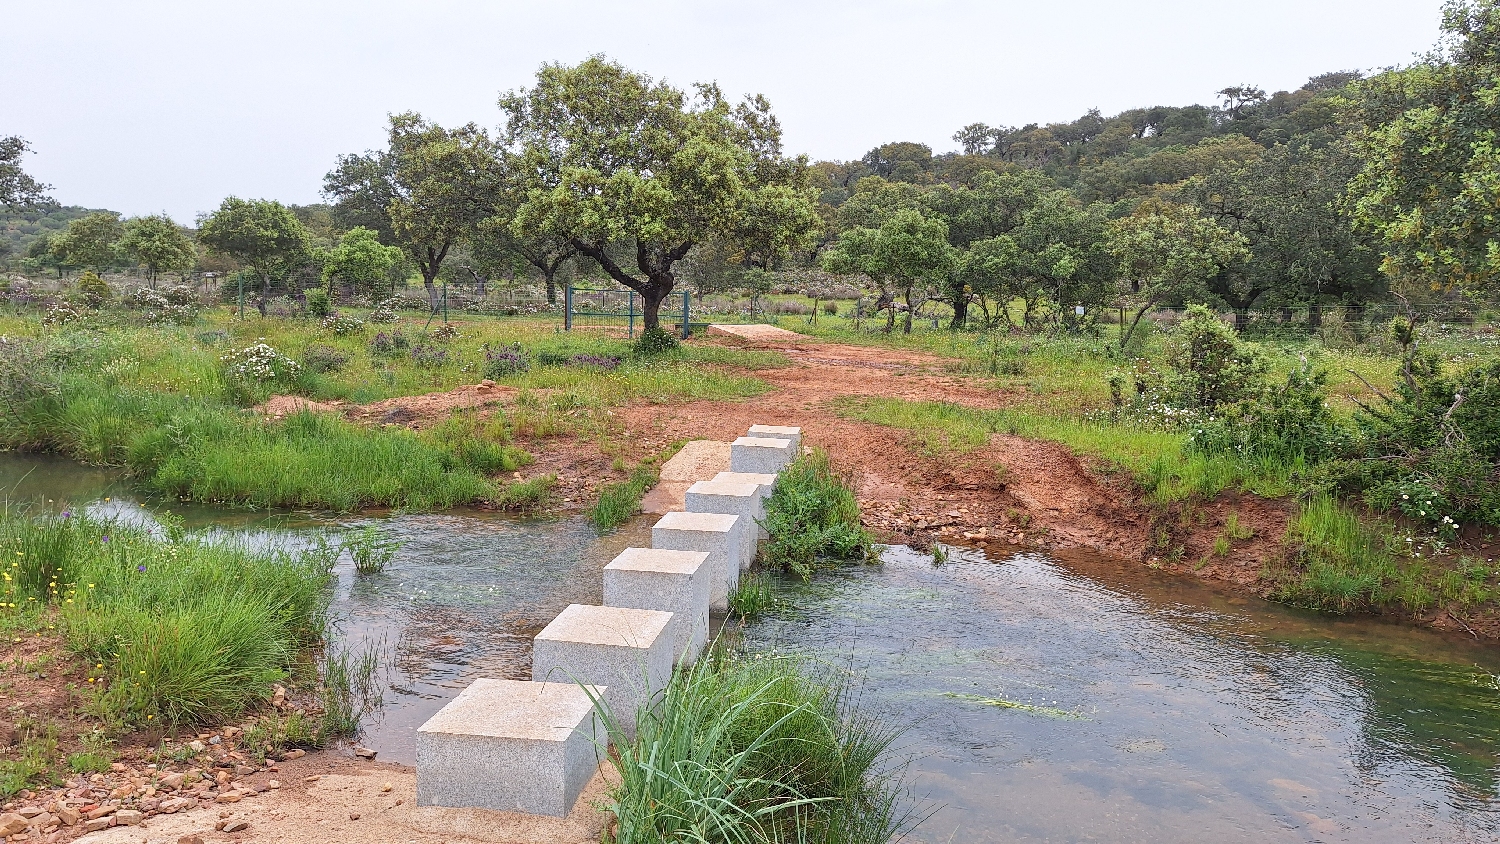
1078,309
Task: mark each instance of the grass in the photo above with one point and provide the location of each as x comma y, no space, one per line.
371,548
619,502
812,517
752,595
754,749
1345,563
182,632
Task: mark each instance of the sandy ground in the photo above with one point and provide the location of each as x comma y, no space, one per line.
325,799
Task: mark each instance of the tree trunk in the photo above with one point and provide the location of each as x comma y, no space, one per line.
1241,319
651,299
960,311
265,293
906,324
433,299
551,287
1125,338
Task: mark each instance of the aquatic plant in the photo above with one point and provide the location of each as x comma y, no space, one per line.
752,596
813,518
371,548
754,749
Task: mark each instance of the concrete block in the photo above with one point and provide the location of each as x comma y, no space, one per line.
766,483
671,581
716,533
628,651
760,454
779,432
510,746
735,499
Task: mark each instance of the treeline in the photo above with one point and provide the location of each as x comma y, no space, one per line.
1333,194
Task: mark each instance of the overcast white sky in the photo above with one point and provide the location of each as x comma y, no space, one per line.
150,105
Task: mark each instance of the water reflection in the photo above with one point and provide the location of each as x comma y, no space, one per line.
1196,719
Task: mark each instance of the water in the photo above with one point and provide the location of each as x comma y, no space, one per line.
1165,710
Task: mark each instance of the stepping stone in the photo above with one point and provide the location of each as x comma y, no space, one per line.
779,432
627,651
511,746
735,499
766,483
760,454
716,533
671,581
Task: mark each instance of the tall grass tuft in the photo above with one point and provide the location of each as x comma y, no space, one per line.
1343,565
371,548
179,631
754,749
752,596
619,502
813,517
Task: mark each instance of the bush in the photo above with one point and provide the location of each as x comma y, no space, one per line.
341,324
1432,450
317,303
655,341
813,517
1288,423
183,632
259,363
429,357
93,290
501,363
385,312
61,313
595,361
386,345
320,358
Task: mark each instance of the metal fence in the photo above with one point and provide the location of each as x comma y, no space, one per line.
613,308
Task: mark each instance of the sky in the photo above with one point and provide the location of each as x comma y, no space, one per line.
152,106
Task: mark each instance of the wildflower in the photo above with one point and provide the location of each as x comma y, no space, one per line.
104,539
140,568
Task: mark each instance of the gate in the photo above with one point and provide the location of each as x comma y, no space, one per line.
585,307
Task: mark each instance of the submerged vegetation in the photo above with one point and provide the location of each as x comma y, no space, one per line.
755,749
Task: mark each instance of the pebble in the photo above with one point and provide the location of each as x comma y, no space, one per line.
190,839
29,812
97,824
172,781
129,817
386,789
236,826
12,823
354,816
229,797
364,752
197,746
67,814
295,754
274,784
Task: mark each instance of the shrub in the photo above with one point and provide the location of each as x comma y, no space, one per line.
385,345
429,357
181,295
500,363
259,363
1287,423
145,299
813,517
595,361
445,333
1432,450
317,302
341,324
93,290
655,341
320,358
385,312
61,313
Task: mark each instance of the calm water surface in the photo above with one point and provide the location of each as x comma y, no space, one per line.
1164,710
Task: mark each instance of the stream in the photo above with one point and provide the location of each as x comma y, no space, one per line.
1041,698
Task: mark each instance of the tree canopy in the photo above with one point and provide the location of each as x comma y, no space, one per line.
634,173
263,235
17,189
158,243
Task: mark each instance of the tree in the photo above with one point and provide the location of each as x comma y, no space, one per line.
1287,205
89,241
17,189
1430,183
612,161
158,243
360,260
425,192
262,234
907,249
1170,251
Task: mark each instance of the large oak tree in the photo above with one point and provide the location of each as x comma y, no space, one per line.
617,163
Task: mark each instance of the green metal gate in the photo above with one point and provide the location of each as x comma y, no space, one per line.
613,305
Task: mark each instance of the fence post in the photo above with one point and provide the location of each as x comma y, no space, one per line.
686,313
568,308
241,277
631,333
445,303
